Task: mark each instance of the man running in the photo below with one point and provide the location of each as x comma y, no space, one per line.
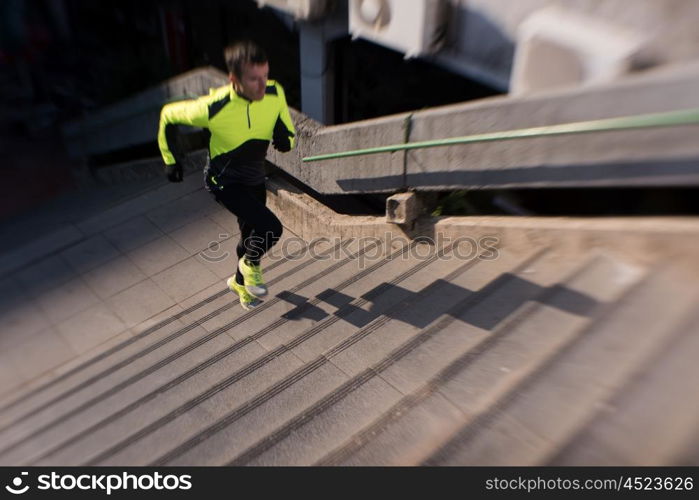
242,119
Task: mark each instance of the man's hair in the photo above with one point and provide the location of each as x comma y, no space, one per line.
241,53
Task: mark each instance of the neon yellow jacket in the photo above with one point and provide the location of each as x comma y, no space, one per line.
240,131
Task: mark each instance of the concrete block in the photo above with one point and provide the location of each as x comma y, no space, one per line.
402,208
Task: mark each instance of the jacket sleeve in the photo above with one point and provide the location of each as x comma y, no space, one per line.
190,112
284,137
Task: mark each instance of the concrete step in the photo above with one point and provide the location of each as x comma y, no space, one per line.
277,268
92,255
484,367
162,344
295,328
364,355
322,269
423,295
214,448
663,394
549,406
235,422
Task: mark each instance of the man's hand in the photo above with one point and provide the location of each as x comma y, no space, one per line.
280,137
174,172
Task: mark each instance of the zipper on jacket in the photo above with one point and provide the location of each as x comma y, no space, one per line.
249,115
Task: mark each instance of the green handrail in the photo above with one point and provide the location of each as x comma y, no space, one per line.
665,119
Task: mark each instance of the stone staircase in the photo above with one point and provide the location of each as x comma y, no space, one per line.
369,352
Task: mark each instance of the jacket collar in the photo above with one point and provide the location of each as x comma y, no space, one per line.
236,95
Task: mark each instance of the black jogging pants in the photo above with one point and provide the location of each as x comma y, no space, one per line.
260,229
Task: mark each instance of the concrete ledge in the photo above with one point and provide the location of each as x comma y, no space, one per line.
641,240
310,219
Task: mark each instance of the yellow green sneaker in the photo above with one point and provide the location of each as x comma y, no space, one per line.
247,300
252,275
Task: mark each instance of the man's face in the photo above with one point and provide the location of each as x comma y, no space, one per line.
253,81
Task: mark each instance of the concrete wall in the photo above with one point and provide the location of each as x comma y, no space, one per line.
358,174
657,156
134,120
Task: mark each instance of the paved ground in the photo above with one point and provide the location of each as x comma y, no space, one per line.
86,280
